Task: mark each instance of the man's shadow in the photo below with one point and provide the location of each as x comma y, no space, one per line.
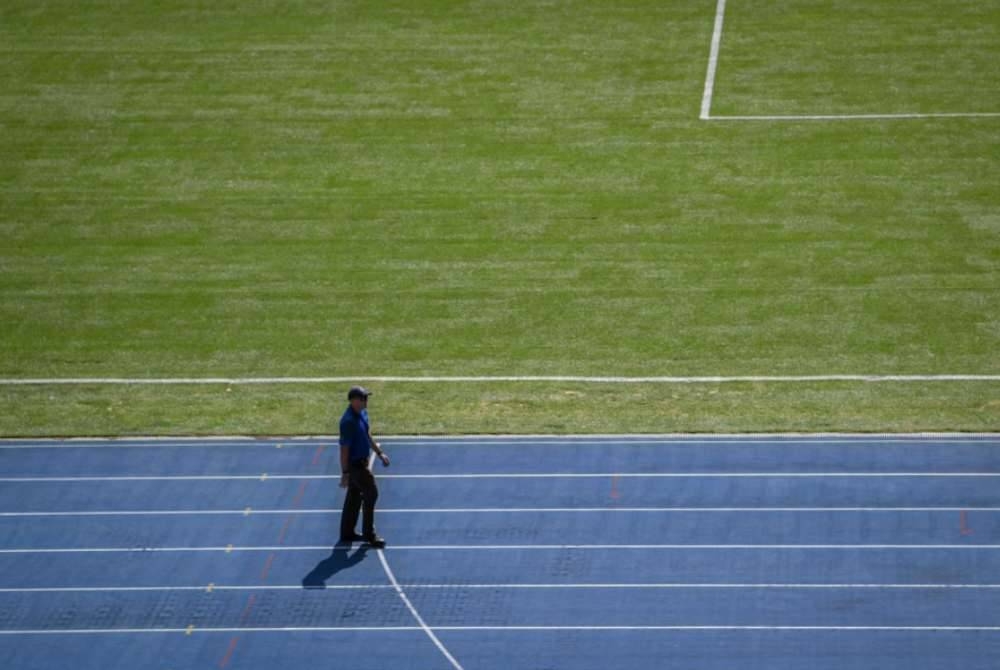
334,563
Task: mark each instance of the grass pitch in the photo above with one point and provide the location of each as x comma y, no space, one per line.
489,188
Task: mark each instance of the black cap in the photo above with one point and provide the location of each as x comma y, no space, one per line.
358,392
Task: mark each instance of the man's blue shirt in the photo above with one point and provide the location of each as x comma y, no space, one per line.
354,433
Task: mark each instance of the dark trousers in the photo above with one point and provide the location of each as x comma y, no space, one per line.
361,494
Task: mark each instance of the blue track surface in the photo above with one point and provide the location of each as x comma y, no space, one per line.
876,552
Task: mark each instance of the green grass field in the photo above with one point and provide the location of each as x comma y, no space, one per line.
497,188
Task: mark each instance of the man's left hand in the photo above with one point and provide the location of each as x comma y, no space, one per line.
384,458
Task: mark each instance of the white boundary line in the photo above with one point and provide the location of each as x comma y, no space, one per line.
194,629
713,61
733,438
306,440
458,629
265,477
711,379
610,441
607,439
416,615
857,117
247,511
595,586
719,628
507,547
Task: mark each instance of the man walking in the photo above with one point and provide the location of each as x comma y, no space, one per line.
356,444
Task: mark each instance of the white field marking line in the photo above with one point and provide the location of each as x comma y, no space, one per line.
456,629
806,440
856,117
494,510
710,379
413,610
610,586
502,547
713,61
706,105
266,477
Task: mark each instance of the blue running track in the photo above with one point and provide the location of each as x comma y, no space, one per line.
771,553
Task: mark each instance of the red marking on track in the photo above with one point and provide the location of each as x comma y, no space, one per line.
270,560
267,567
302,492
615,494
284,529
318,454
229,652
963,523
248,608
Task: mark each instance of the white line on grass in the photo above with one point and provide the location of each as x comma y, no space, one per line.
713,60
457,629
505,547
266,477
232,381
797,440
413,610
595,586
706,108
489,510
855,117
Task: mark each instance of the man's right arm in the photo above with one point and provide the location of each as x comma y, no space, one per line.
345,465
345,452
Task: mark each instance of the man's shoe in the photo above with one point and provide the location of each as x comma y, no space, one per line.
375,541
347,539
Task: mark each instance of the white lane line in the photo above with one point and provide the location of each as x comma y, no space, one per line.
855,117
493,510
529,510
384,629
610,586
416,615
160,550
196,630
686,547
265,477
713,61
721,628
679,475
501,547
151,443
203,588
738,437
703,379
